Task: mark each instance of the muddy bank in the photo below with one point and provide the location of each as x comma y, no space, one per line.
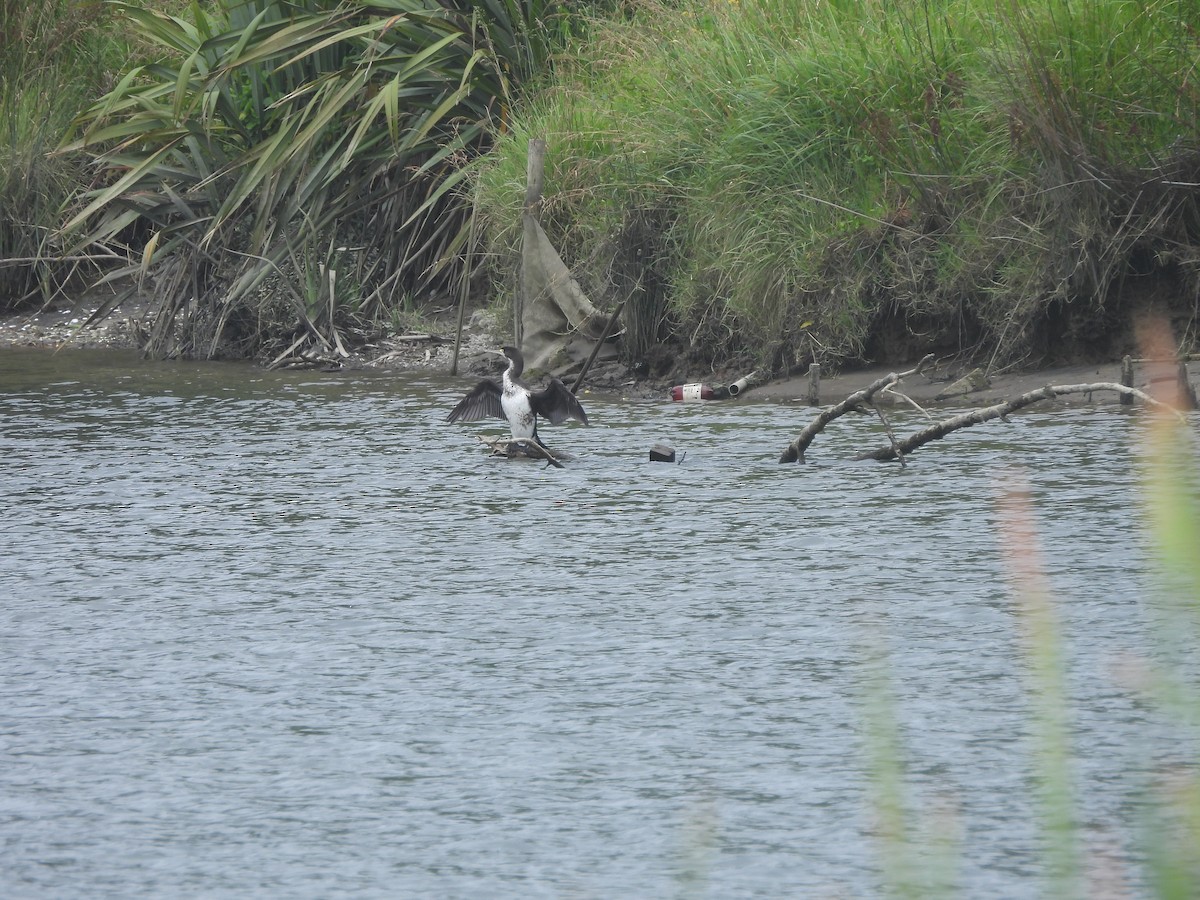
431,349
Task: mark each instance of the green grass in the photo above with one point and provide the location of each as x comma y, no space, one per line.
48,72
960,163
34,184
56,58
765,183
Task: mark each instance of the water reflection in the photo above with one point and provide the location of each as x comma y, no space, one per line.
292,634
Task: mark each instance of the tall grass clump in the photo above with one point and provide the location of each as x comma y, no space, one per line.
801,181
54,57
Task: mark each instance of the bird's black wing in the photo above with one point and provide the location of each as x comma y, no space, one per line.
557,403
481,401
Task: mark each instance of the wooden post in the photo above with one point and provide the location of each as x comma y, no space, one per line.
1187,396
534,181
535,173
814,385
1127,379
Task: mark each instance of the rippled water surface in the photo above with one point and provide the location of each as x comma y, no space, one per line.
292,635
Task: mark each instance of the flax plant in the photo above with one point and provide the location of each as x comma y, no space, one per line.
1051,718
265,127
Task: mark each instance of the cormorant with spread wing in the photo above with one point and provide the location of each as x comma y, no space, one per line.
513,400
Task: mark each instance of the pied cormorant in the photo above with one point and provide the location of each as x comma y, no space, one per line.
513,401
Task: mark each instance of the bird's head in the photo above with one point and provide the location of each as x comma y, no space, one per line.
514,356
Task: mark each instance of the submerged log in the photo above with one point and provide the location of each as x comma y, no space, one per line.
522,449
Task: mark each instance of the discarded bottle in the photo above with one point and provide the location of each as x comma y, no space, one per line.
694,391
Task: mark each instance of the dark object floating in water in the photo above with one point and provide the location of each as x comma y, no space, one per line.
662,453
513,401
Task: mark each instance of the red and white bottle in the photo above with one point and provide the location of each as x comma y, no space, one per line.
694,391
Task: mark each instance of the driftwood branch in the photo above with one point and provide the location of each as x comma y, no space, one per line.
907,399
854,403
891,436
608,327
896,450
521,449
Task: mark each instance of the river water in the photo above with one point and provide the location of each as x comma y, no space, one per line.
291,635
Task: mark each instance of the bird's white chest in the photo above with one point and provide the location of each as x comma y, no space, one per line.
515,403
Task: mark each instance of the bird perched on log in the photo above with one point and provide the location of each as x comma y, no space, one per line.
514,401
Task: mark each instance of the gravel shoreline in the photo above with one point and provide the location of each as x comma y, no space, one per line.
62,326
